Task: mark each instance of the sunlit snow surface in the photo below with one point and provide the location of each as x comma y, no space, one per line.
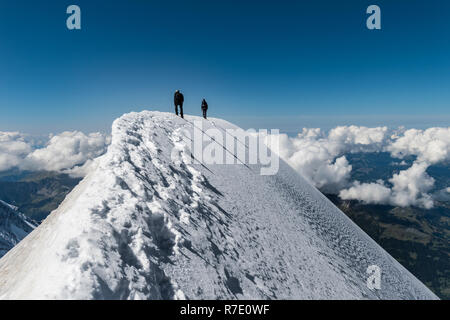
144,226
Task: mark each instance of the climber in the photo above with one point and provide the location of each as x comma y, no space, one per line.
204,108
178,100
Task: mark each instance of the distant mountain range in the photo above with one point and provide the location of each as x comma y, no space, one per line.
36,194
14,226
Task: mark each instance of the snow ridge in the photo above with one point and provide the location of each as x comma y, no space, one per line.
146,223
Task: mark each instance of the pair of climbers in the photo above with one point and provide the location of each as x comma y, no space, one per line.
179,100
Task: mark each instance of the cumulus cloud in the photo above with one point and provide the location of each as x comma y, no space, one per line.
430,146
367,192
359,139
320,158
65,151
13,147
409,188
81,170
311,155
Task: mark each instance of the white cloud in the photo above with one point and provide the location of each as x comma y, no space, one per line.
313,156
64,151
359,139
431,145
13,147
81,170
367,192
409,188
320,158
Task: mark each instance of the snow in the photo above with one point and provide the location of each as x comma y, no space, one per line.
10,206
142,225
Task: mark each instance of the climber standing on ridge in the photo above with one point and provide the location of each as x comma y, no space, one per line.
204,108
178,100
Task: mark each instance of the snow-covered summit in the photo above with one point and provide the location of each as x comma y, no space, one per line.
14,226
146,223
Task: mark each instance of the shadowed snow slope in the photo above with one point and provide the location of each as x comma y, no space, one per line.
145,225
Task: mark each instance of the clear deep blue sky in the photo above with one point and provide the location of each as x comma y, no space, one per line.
276,64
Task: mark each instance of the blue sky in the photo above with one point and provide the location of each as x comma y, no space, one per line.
275,64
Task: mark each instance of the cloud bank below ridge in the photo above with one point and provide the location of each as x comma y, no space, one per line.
70,151
320,157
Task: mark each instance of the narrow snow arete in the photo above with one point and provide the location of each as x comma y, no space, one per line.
144,226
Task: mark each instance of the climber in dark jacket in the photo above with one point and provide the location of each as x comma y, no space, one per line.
204,108
178,100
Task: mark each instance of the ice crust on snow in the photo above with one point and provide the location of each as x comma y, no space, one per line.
144,224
